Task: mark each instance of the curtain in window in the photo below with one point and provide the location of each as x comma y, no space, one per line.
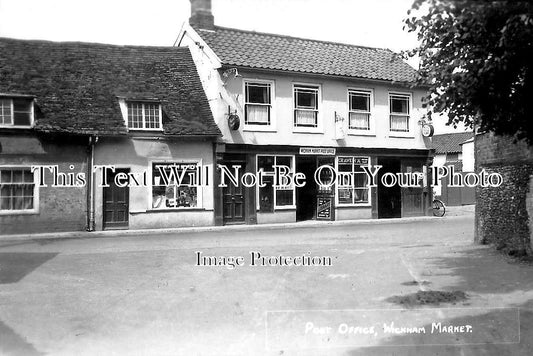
305,117
399,123
257,114
359,121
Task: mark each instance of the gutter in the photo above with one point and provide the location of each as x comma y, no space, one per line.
90,183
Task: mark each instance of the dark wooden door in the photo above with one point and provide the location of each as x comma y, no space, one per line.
116,203
233,201
412,197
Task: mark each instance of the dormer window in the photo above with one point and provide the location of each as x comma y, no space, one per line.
144,115
16,112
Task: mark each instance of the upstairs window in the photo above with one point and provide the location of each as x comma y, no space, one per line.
399,105
16,112
258,103
359,116
144,116
306,106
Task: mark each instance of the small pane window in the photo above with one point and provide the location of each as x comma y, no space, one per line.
353,185
359,110
257,103
399,112
16,112
17,190
144,116
305,106
270,198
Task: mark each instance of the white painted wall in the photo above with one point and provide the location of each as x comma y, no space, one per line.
229,92
138,155
468,156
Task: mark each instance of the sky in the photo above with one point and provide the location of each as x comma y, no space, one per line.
373,23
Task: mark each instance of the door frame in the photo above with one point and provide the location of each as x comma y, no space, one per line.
105,192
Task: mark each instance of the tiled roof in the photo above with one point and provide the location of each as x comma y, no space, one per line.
450,143
77,85
269,51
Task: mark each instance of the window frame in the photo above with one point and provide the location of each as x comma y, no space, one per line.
293,171
271,126
143,103
307,129
353,204
36,200
199,188
371,120
12,108
409,115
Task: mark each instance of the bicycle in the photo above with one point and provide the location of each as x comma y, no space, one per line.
439,209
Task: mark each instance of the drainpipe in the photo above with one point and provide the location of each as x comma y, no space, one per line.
90,182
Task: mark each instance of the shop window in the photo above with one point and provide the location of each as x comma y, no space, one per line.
353,187
269,198
174,185
18,191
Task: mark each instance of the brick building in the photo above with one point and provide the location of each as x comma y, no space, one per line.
80,105
504,214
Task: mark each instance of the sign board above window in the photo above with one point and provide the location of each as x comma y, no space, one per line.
317,151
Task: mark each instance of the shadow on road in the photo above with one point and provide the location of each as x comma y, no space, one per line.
16,265
13,344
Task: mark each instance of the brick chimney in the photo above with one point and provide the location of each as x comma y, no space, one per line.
201,15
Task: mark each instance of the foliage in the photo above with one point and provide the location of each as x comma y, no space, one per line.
477,58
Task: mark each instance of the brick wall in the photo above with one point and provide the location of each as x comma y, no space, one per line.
60,208
502,216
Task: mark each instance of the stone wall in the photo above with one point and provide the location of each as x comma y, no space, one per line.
502,217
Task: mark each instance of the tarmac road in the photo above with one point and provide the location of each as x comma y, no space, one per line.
145,295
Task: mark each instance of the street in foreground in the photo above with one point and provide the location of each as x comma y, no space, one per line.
144,295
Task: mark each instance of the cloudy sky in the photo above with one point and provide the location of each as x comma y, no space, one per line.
374,23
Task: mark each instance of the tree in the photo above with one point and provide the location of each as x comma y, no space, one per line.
477,58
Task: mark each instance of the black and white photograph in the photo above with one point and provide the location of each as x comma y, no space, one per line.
266,177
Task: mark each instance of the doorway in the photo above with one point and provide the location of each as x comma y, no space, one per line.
116,203
306,196
389,198
233,197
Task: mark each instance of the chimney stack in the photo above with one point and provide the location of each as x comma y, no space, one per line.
201,15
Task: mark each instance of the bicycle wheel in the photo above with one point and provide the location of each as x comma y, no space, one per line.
438,208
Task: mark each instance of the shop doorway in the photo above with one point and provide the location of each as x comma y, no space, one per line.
389,198
116,203
233,197
306,196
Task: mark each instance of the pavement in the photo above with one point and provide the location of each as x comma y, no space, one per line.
146,295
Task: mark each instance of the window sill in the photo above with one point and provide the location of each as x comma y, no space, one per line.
361,133
171,210
18,212
401,135
307,130
258,128
15,127
348,206
288,207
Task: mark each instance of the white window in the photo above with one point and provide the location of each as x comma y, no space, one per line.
175,185
306,105
352,188
359,107
258,103
18,191
400,106
144,116
16,112
281,197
